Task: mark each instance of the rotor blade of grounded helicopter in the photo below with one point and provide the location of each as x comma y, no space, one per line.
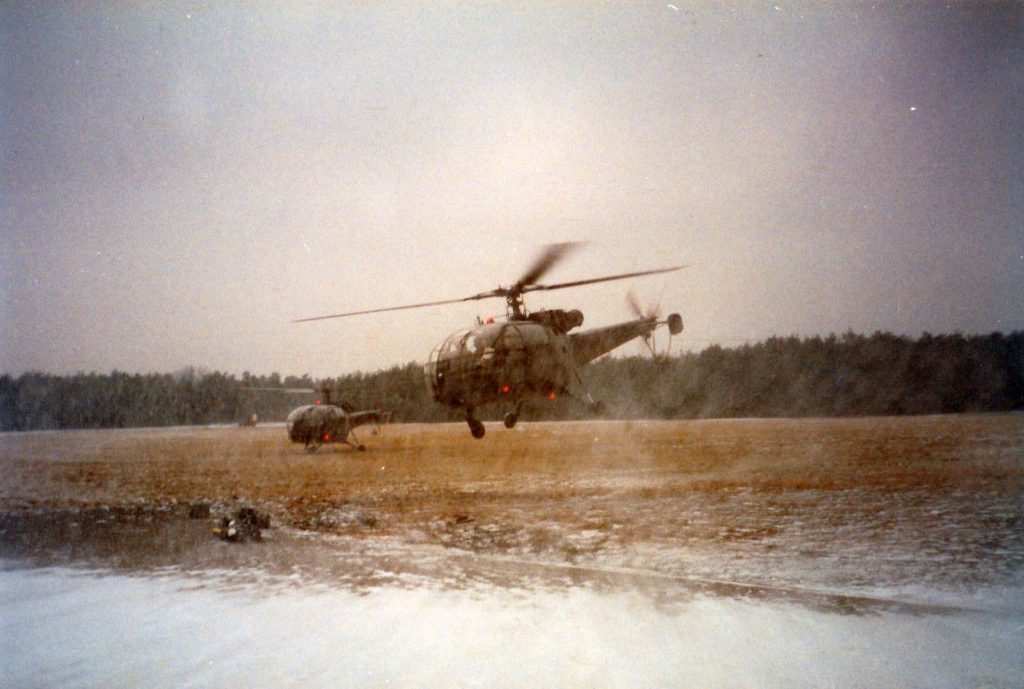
577,283
552,254
475,297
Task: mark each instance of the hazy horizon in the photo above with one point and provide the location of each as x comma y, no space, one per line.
199,369
180,182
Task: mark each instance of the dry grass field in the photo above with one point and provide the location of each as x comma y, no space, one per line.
753,499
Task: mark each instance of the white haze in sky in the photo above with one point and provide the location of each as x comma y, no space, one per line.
178,181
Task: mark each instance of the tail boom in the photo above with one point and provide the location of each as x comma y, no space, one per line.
590,344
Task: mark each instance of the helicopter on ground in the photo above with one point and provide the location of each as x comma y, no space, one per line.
325,422
528,354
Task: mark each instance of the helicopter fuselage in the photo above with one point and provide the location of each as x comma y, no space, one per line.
511,361
316,424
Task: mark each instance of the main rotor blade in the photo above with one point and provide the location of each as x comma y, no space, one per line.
577,283
552,254
396,308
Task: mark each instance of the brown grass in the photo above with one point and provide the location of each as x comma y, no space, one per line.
412,472
738,498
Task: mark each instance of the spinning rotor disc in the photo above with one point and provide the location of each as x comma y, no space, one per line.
551,255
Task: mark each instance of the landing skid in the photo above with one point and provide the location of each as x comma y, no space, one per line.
313,445
357,445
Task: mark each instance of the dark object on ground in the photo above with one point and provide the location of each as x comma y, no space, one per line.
199,510
246,525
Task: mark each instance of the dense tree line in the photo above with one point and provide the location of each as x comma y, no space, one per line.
848,375
843,375
122,400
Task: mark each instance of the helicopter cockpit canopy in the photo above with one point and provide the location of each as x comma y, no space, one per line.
471,362
478,341
469,344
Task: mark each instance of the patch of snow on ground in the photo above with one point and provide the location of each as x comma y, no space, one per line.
69,628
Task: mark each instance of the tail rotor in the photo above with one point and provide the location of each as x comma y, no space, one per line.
653,313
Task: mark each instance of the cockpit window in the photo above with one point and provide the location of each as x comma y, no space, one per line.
482,338
475,343
453,345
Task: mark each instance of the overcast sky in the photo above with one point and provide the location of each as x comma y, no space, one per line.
179,181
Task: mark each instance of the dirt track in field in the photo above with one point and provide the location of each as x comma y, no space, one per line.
848,503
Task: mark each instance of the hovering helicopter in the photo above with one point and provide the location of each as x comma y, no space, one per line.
528,354
324,422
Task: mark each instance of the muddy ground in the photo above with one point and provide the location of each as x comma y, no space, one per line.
744,507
